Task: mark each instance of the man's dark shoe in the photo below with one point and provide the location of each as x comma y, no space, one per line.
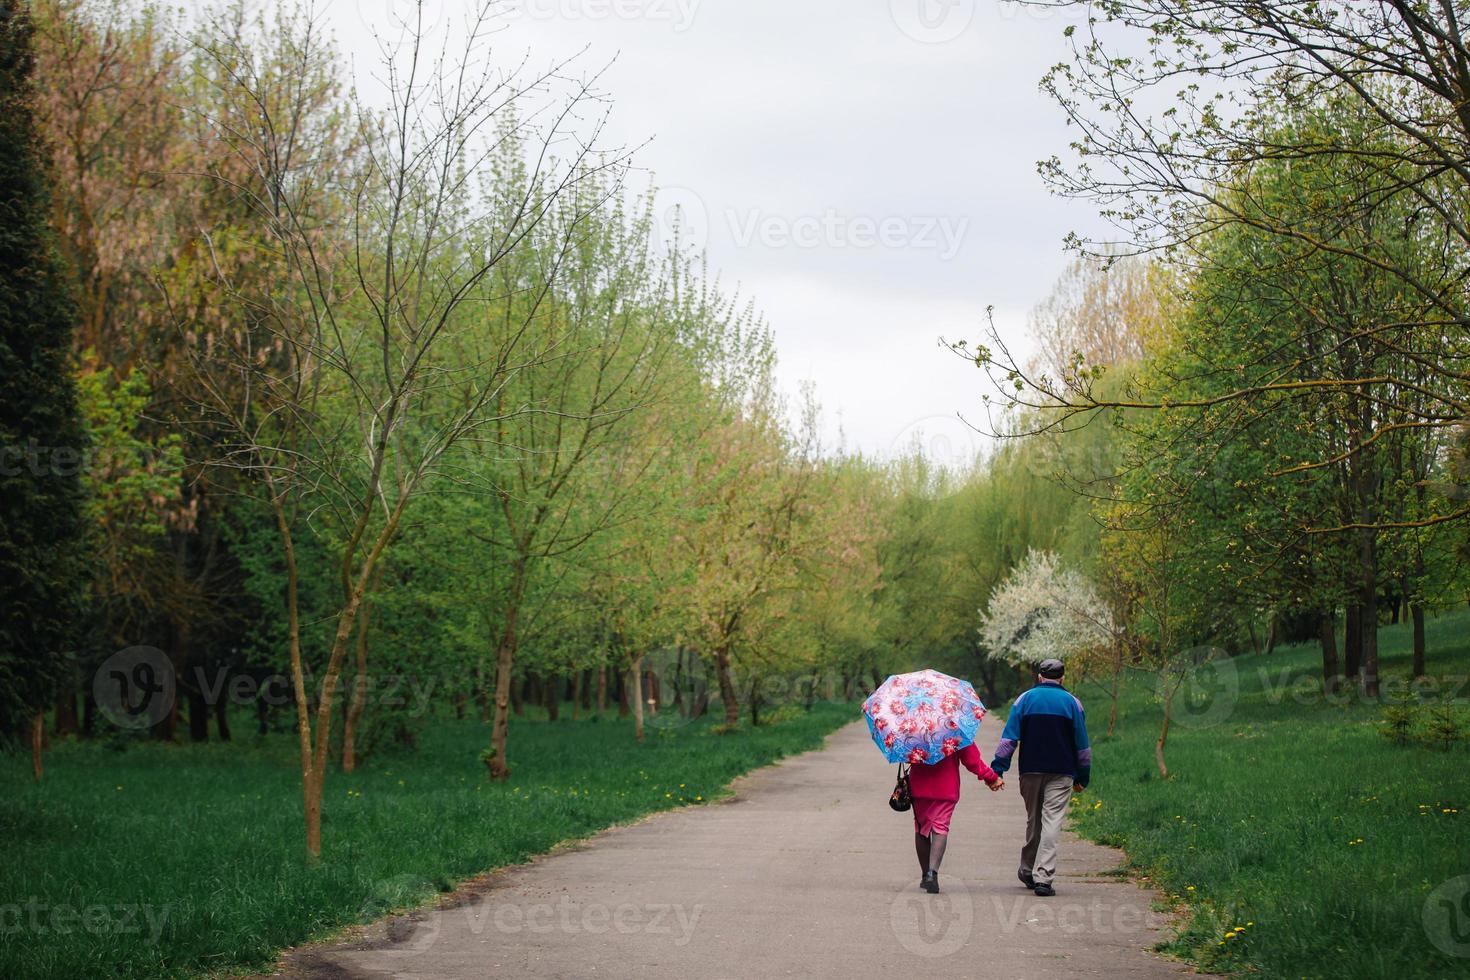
1043,890
930,883
1026,879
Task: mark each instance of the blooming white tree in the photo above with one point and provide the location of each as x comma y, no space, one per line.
1044,610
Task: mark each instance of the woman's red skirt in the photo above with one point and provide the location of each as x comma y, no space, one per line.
932,816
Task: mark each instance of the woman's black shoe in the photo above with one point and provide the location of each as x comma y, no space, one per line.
1043,890
930,883
1026,879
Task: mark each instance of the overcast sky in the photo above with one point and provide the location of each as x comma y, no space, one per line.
864,169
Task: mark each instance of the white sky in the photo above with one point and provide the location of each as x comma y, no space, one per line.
864,169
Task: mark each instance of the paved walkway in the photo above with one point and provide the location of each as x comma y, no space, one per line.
805,873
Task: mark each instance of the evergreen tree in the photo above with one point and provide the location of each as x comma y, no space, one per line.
41,435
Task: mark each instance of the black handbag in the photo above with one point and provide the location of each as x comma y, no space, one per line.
901,799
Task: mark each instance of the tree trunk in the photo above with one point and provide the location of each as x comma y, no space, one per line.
504,664
551,691
601,689
481,689
1417,611
622,679
1368,599
1164,737
727,687
222,716
576,693
38,734
165,729
1352,644
634,692
359,689
585,677
66,721
1271,634
1117,686
1327,635
198,716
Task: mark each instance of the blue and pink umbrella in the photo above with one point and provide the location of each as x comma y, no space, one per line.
923,716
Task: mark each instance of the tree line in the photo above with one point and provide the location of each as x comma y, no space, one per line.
362,414
1275,337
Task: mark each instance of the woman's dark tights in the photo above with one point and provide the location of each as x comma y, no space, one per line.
930,850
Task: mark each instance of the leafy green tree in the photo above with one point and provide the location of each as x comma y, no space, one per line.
41,432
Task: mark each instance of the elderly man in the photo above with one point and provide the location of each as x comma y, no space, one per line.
1056,761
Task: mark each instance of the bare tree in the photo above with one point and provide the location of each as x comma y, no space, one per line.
342,385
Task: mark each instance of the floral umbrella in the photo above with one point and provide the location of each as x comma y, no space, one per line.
923,717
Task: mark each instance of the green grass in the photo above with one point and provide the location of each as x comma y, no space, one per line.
172,861
1294,817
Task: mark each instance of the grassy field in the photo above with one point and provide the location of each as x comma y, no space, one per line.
172,861
1296,818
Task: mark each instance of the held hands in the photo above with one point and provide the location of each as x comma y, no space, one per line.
1078,787
998,785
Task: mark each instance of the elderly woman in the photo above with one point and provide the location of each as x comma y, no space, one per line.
936,789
